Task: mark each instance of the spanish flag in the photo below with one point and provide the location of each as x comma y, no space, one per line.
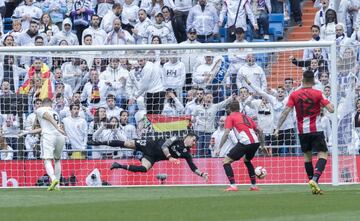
26,86
161,123
46,89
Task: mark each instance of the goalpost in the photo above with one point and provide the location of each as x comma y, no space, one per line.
87,165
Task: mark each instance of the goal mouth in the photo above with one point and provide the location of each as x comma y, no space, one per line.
208,69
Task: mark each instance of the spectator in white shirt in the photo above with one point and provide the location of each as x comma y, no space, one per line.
204,18
27,13
107,132
108,19
5,150
130,10
229,10
174,75
95,91
65,34
111,109
27,38
159,28
203,117
216,139
328,30
172,105
116,76
119,36
76,129
253,72
139,31
98,34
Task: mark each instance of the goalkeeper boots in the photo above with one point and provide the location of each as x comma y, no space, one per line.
53,184
231,189
116,166
315,189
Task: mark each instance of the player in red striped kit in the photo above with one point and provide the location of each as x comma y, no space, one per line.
249,136
308,103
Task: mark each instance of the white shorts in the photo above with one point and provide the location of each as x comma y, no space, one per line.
52,146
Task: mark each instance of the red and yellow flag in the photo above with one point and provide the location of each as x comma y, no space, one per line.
46,89
161,123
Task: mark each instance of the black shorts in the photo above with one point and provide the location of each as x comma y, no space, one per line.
240,150
149,149
313,141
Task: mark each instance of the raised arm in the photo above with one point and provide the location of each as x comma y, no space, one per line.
282,119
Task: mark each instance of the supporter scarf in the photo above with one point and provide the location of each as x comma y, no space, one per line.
95,94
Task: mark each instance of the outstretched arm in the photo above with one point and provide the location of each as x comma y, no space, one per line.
194,168
282,119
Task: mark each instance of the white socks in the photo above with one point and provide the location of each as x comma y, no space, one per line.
49,169
57,169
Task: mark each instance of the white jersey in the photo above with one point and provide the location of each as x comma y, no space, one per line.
46,127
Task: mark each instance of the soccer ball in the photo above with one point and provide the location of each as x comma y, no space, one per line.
260,172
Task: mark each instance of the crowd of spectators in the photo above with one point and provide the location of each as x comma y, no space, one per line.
114,94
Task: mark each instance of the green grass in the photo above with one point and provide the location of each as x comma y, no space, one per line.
280,203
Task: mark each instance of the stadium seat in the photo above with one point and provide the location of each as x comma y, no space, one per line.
7,25
276,26
223,34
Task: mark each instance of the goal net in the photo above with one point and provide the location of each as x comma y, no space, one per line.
155,92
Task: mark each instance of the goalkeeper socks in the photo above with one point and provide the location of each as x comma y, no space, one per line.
229,173
319,168
309,168
251,172
134,168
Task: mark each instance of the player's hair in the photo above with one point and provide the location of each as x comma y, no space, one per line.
234,106
74,105
47,101
192,134
308,76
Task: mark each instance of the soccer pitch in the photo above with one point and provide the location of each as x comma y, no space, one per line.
280,203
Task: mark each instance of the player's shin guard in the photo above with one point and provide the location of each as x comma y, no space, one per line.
319,168
134,168
251,172
309,168
229,173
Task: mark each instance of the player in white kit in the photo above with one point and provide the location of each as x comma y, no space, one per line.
52,141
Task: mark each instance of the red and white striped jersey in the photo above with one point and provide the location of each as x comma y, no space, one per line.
308,103
244,127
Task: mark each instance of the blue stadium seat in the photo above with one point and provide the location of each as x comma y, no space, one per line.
276,26
223,34
7,25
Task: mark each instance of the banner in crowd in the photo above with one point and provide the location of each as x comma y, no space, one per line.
161,123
